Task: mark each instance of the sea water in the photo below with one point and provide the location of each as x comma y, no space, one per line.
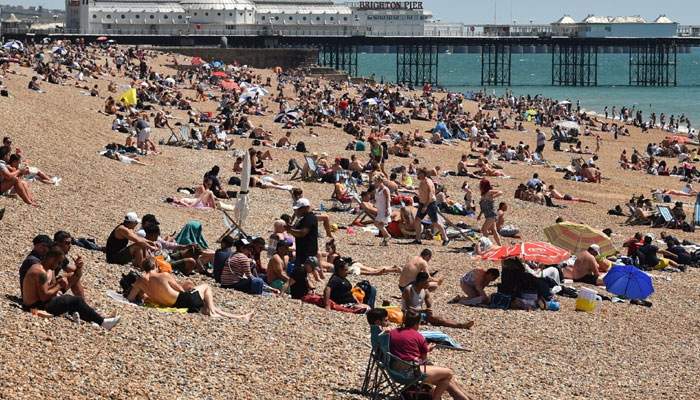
532,74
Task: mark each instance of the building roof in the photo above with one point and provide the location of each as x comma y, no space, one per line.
303,9
13,19
594,19
129,6
565,20
217,4
663,19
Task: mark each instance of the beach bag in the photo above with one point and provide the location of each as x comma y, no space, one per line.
358,293
301,147
163,266
128,281
500,301
395,314
370,292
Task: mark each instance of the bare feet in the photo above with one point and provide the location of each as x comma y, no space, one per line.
467,325
246,317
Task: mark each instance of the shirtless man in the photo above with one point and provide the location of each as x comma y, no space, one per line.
585,269
277,266
554,193
590,174
427,206
462,168
163,290
285,140
413,267
41,290
354,164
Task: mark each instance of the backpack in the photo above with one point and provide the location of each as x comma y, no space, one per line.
128,281
301,147
370,292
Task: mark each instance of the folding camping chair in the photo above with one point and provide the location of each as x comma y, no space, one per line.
372,371
394,384
231,226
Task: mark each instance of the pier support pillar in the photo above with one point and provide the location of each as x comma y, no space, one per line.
653,64
574,65
495,64
417,65
341,57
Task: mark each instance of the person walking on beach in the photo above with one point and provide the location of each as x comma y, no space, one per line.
488,210
427,206
382,201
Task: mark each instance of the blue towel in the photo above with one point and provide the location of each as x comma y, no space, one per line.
438,337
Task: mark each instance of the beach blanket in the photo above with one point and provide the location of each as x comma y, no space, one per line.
121,299
440,339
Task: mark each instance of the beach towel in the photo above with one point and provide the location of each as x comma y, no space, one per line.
118,297
192,233
440,339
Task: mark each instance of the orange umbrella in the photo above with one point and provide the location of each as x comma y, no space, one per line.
220,73
678,139
540,252
229,85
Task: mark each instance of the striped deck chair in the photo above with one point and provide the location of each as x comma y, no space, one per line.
665,213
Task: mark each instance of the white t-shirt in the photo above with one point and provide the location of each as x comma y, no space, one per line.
541,138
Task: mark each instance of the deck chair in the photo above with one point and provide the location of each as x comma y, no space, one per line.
696,215
184,134
634,218
298,171
313,167
665,213
393,384
173,139
449,224
370,381
231,226
362,214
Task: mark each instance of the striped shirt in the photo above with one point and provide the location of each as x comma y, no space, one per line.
237,267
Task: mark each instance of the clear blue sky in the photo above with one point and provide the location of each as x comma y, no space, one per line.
540,11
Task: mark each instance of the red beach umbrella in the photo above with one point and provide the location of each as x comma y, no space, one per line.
220,73
229,85
197,61
101,38
540,252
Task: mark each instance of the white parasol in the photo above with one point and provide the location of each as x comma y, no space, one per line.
241,211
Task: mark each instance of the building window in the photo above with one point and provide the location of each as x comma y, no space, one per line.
179,17
109,16
318,18
195,14
263,18
304,18
290,18
331,18
151,16
138,16
218,14
94,16
165,16
122,16
369,18
277,18
231,14
345,18
206,14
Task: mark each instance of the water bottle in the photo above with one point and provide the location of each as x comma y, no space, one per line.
323,208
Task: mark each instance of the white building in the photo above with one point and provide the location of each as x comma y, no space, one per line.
604,26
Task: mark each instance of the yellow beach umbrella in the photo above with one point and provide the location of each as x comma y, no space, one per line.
129,97
577,238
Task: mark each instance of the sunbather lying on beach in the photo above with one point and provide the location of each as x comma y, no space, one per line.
554,193
163,290
687,191
266,182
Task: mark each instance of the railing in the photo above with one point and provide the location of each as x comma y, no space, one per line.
346,31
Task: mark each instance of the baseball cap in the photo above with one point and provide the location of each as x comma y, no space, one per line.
150,218
303,202
132,217
595,248
43,239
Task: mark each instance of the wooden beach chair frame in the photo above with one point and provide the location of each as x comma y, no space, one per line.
233,227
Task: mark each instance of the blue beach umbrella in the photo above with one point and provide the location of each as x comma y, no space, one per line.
627,280
257,91
370,102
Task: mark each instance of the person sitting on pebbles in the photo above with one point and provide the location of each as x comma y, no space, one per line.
416,298
118,249
163,290
41,290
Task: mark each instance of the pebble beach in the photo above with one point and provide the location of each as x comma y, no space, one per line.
292,350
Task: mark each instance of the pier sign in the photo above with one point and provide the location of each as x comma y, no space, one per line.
391,5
